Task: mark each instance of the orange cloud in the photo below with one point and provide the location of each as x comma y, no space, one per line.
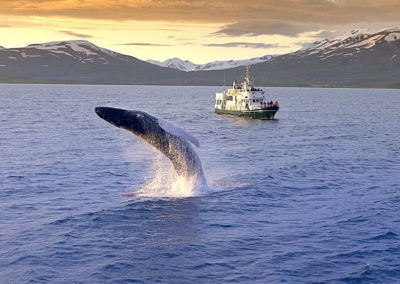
74,34
201,10
240,16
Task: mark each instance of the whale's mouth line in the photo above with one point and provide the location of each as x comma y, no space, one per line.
99,112
102,113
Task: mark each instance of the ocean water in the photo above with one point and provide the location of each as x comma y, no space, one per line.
311,197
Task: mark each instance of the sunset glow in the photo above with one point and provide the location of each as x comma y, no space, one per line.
200,31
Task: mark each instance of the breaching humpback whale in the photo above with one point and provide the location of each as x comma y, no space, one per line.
169,139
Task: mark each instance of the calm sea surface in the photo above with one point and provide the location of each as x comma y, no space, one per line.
311,197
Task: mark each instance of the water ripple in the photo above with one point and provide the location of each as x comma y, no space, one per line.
311,197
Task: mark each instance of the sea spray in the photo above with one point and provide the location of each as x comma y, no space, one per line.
163,181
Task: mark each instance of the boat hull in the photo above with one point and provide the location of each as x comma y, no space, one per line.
267,113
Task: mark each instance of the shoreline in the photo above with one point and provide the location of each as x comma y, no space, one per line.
313,86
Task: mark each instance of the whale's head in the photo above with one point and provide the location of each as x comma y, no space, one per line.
137,122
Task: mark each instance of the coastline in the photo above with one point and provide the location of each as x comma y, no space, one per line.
316,86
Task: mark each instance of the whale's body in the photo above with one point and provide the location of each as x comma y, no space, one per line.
169,139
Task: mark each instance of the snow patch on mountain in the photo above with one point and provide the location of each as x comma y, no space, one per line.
186,65
83,47
80,46
367,43
219,65
359,33
175,63
24,55
348,44
393,36
80,50
341,41
60,52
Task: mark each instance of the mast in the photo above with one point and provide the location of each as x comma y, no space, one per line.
247,79
248,74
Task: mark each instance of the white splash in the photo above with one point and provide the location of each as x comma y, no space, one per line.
164,182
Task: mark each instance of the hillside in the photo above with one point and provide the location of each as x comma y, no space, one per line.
356,60
353,60
78,62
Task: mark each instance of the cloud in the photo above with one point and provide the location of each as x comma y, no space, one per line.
216,11
169,30
306,44
71,33
263,27
239,17
245,45
184,39
4,26
325,34
144,44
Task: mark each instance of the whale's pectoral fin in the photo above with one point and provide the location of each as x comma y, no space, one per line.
177,131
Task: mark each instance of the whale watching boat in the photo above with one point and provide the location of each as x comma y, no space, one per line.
245,100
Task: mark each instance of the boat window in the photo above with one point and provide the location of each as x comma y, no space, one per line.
254,101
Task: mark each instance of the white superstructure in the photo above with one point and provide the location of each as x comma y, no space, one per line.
242,97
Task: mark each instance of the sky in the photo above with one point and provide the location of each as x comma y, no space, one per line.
197,30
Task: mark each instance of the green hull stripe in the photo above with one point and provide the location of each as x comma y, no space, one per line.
262,114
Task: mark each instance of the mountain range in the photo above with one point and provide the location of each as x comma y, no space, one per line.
186,65
77,62
356,59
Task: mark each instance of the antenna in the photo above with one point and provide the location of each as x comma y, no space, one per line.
247,77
